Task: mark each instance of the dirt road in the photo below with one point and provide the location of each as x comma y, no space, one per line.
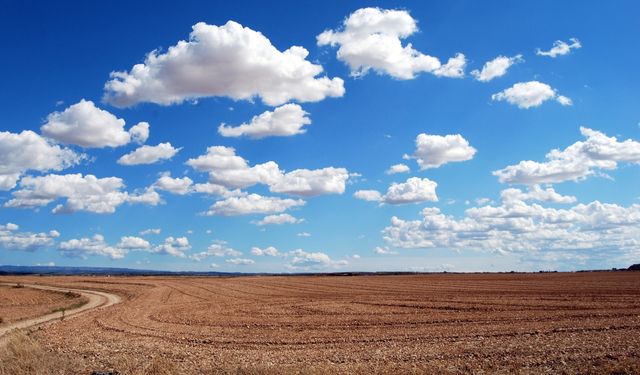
95,299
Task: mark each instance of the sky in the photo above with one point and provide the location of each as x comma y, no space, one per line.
320,136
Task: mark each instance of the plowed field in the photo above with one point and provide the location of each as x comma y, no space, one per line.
458,323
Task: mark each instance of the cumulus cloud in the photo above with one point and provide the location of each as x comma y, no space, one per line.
173,246
414,190
432,151
301,259
12,239
496,68
560,48
278,220
24,151
82,193
268,251
229,60
368,195
133,243
240,261
86,125
176,185
216,249
535,193
305,182
149,154
232,171
530,94
252,204
95,245
140,132
371,39
284,121
398,168
574,163
516,226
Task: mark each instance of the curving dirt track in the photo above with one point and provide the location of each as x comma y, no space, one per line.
492,323
94,299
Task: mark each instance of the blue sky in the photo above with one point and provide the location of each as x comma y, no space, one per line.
469,97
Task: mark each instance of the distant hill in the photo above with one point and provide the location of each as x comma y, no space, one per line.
634,267
54,270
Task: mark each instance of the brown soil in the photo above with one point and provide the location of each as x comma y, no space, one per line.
24,303
534,323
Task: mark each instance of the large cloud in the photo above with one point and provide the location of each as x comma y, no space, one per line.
24,151
517,226
95,245
82,193
12,239
285,120
216,249
576,162
229,60
414,190
371,39
252,204
232,171
86,125
180,186
432,151
560,48
530,94
149,154
496,68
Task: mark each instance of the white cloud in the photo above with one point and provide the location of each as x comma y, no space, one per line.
173,246
252,204
140,132
176,185
383,250
24,151
82,193
149,197
560,48
133,243
285,120
368,195
150,231
305,260
496,68
305,182
240,261
432,151
229,60
12,239
149,154
304,234
371,39
530,94
278,220
398,168
518,227
86,125
268,251
216,249
95,245
535,193
575,162
414,190
232,171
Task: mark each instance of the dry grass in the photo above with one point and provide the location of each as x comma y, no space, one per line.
21,354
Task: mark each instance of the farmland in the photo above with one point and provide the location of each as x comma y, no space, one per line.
23,303
536,323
